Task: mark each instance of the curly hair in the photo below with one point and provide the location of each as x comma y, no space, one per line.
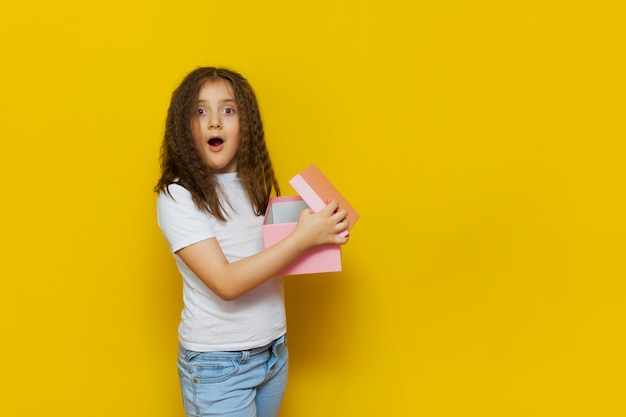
182,162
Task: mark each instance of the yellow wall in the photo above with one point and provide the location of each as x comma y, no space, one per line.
482,142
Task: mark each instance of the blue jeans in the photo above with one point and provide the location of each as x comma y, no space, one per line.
247,383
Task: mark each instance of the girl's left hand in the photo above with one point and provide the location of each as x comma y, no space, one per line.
323,227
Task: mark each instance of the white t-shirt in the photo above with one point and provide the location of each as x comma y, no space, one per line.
209,323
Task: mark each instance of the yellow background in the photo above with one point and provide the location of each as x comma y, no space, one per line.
481,141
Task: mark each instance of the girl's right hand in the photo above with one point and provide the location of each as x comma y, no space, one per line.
323,227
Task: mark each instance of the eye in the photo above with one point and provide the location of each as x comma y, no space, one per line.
202,111
229,110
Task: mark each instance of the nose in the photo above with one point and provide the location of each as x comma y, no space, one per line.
214,122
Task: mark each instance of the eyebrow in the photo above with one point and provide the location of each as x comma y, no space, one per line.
228,100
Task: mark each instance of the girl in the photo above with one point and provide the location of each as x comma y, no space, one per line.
215,184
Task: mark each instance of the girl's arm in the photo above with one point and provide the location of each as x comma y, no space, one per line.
231,280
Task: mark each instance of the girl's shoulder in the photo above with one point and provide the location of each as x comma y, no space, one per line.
175,185
175,204
173,193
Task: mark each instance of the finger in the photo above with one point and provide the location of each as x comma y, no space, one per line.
343,224
340,214
341,239
332,206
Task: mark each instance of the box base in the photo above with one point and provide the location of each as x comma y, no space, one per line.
280,220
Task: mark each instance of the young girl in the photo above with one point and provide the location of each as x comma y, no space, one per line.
214,188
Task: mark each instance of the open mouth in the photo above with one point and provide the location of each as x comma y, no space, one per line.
215,141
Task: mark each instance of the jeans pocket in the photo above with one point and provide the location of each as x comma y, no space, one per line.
213,369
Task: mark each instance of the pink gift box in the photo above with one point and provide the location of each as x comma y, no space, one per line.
281,218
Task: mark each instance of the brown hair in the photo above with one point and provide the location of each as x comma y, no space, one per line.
181,160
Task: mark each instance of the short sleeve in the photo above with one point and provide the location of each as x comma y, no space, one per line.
180,220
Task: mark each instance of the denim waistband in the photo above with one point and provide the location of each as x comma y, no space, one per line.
259,350
189,354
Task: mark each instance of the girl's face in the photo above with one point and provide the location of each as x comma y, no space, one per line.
216,126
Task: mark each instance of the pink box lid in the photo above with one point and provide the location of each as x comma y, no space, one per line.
315,189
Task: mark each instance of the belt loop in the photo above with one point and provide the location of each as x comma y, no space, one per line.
245,355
